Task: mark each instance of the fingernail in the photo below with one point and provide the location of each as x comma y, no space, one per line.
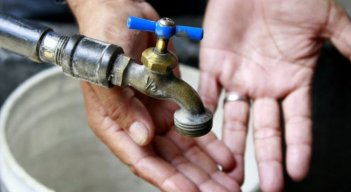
139,133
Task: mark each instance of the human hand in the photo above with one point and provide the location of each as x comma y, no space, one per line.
267,50
126,120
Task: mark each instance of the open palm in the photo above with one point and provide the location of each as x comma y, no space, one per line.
267,50
170,162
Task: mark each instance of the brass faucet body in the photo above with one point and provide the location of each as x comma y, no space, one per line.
156,79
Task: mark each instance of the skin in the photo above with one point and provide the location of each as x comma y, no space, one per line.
267,50
130,123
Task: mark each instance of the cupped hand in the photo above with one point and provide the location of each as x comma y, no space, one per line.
267,50
127,121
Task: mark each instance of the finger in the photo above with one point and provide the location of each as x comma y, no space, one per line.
225,180
169,150
203,159
209,88
338,29
165,121
267,135
192,152
234,134
217,150
298,132
124,109
206,151
156,107
142,160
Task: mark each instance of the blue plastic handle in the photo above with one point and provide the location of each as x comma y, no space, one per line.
163,31
193,33
141,24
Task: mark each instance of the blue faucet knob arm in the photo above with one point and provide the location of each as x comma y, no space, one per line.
193,33
165,28
140,24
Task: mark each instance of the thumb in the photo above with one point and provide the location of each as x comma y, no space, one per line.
339,29
120,109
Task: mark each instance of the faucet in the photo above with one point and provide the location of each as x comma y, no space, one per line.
106,65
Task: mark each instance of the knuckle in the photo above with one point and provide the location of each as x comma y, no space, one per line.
267,133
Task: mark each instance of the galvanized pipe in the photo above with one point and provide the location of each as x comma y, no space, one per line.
20,36
80,57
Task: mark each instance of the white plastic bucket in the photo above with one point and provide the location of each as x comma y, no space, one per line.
46,145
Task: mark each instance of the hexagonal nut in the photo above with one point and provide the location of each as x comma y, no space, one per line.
161,63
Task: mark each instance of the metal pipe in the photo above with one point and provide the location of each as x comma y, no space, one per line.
105,64
20,36
80,57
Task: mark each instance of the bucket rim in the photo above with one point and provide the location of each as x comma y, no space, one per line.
7,160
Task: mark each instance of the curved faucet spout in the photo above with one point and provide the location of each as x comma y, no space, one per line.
193,119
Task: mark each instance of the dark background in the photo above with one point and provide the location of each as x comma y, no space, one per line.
331,160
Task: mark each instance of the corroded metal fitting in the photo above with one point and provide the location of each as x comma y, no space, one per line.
192,125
